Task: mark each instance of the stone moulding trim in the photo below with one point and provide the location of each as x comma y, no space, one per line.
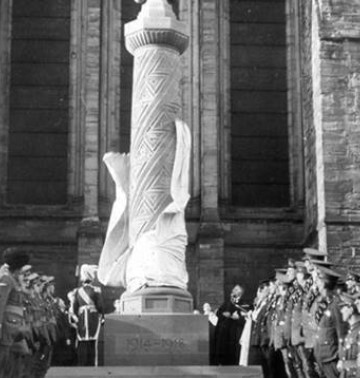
171,38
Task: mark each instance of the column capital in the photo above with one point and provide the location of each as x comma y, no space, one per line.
156,24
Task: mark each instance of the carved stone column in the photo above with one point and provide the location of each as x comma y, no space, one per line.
156,276
156,39
146,239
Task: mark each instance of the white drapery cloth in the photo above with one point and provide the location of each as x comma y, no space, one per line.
157,257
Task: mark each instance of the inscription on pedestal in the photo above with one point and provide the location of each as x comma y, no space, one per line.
138,340
162,345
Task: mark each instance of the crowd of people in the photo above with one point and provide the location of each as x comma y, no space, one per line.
37,329
304,323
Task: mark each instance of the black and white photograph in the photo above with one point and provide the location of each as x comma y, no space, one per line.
180,188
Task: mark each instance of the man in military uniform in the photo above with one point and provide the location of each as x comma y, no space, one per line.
282,324
330,326
86,314
260,338
12,344
28,319
60,330
309,326
349,362
43,353
304,283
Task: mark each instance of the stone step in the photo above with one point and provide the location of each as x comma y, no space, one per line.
157,371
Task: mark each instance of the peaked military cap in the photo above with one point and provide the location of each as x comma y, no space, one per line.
327,273
33,277
311,252
301,268
291,263
321,263
284,279
264,282
352,276
49,280
347,299
26,269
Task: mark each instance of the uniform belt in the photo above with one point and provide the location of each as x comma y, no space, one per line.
15,310
91,308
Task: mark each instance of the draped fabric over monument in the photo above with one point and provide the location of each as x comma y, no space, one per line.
146,239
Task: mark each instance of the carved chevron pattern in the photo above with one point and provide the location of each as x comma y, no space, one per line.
153,136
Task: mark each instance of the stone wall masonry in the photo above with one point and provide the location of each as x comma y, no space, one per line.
344,245
91,45
306,84
341,99
338,51
110,96
340,72
209,100
89,236
249,265
190,94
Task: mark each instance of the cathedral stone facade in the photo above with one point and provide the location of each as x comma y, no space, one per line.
270,90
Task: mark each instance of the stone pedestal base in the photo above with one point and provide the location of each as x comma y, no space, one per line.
166,300
148,340
157,371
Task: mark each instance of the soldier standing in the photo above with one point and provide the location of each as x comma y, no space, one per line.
12,342
273,358
309,325
87,315
43,354
282,324
330,327
260,338
352,283
349,362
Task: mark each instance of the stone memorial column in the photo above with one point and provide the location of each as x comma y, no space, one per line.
156,39
156,325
